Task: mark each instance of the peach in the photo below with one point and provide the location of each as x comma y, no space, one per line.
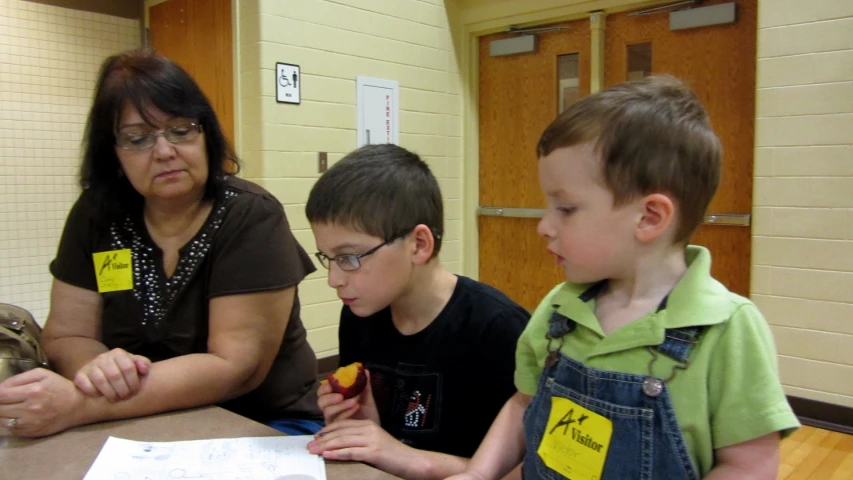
349,381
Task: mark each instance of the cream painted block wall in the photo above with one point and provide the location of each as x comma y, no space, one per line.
803,199
49,58
333,42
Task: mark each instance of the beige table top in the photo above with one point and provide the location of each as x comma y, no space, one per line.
68,455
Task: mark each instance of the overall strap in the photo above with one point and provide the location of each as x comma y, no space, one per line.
559,325
679,342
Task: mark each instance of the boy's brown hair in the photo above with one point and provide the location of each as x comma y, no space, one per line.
381,190
653,136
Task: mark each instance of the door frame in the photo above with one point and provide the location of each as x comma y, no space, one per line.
236,84
475,21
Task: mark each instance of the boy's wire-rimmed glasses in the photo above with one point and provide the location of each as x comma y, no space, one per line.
349,262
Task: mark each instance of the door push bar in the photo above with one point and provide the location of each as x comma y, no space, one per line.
727,219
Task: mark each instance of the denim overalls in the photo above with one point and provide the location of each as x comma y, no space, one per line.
646,441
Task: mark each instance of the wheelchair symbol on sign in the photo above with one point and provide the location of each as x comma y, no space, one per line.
285,81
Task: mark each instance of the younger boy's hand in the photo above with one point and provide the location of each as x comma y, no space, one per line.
336,408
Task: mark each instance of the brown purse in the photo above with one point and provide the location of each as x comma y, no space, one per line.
19,342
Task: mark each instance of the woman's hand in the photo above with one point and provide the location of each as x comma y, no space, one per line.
336,408
116,375
39,402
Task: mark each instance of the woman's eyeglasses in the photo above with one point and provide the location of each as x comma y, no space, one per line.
141,141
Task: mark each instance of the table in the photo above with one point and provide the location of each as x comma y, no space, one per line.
68,455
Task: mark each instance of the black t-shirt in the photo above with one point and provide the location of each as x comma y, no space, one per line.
441,388
244,246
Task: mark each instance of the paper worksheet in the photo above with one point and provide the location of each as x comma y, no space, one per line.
250,458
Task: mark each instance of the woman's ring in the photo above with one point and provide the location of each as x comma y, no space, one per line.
12,423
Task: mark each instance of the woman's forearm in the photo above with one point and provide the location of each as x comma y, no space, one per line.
181,382
68,354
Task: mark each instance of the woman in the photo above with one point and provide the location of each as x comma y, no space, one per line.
174,282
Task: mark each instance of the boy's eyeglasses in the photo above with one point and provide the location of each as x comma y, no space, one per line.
141,141
352,261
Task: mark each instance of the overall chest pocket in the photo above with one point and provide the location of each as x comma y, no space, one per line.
630,451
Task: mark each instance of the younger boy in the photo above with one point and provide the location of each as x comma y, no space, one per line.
439,348
641,365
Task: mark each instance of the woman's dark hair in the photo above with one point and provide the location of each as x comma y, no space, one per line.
145,79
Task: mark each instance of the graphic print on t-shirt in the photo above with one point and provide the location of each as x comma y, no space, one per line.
407,397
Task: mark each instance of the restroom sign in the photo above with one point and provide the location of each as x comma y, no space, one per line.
288,83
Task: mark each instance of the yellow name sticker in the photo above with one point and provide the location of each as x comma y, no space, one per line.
576,440
114,270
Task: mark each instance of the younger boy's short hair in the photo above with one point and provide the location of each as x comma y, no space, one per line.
653,136
381,190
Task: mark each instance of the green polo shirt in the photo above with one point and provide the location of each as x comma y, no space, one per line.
731,391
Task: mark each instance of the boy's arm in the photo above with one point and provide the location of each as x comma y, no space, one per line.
365,441
749,412
428,465
756,459
503,448
351,332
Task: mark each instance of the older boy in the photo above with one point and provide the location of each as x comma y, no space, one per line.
439,347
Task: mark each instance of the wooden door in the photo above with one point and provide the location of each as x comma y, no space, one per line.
718,63
196,34
518,99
